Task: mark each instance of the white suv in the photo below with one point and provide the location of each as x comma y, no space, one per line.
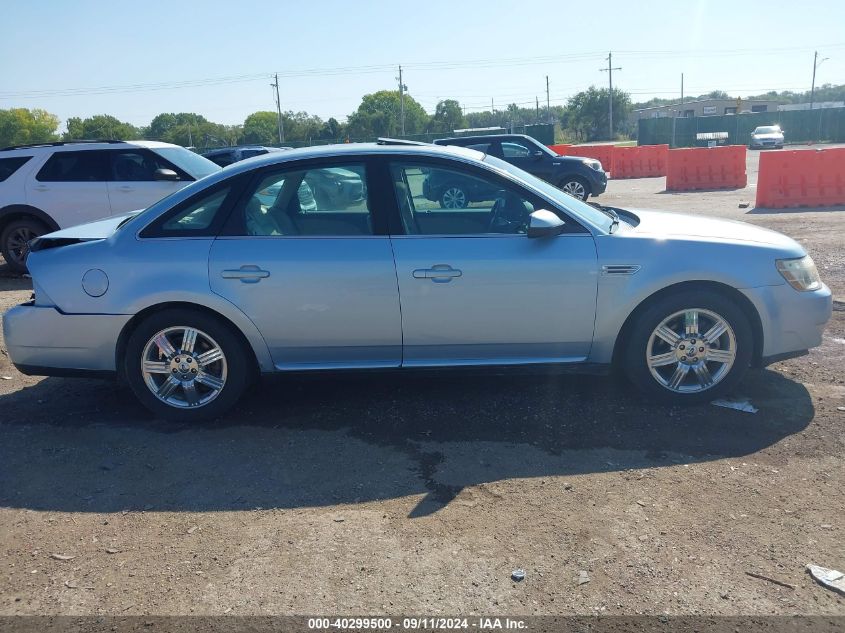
44,188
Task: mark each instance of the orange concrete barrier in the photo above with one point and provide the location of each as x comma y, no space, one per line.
801,178
602,153
692,169
645,161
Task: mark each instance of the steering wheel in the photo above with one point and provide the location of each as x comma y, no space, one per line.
495,213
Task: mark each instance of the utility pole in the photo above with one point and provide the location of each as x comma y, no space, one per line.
609,71
279,110
548,101
813,87
492,107
537,107
402,89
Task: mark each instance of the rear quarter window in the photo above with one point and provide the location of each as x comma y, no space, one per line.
9,166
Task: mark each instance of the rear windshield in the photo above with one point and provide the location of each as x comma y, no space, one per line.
9,166
196,165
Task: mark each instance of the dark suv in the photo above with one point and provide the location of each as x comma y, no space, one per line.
579,177
228,155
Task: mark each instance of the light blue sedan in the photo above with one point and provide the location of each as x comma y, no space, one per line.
190,300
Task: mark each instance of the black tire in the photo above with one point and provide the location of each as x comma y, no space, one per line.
240,369
574,183
10,241
454,196
636,347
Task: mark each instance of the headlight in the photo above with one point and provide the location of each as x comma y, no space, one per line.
592,164
801,273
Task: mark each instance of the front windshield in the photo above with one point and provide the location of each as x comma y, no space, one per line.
769,129
578,207
197,166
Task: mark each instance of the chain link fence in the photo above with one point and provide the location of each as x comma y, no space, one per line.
800,126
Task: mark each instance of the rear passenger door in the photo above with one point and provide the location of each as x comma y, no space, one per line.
315,276
132,184
71,187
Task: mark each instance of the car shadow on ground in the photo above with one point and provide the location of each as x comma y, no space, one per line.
772,211
86,446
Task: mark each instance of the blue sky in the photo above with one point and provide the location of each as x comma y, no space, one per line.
135,60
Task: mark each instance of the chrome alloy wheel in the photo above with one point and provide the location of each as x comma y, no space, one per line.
184,367
454,198
691,351
575,189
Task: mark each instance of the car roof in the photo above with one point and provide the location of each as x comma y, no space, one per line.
84,145
483,137
352,150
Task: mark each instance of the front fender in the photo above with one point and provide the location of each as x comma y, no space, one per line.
664,263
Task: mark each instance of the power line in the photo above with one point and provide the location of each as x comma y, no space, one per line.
382,68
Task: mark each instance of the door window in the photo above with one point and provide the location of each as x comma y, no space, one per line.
451,201
84,166
515,149
322,201
135,166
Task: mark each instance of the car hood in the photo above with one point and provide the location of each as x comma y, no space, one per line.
81,233
563,160
695,227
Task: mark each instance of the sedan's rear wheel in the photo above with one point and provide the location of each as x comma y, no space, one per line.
690,347
454,197
185,365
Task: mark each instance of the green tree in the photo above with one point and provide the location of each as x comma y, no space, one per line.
379,115
261,128
588,117
448,116
188,129
332,130
21,125
99,126
160,126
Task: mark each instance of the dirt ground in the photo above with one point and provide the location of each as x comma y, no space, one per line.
420,494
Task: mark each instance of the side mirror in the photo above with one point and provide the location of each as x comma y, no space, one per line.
544,223
165,174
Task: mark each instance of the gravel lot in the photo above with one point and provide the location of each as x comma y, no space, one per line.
419,494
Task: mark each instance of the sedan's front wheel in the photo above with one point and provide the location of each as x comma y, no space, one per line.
185,365
690,347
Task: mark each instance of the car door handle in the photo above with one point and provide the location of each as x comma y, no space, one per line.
439,273
41,188
126,188
248,274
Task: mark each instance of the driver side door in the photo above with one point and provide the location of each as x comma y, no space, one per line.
474,288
